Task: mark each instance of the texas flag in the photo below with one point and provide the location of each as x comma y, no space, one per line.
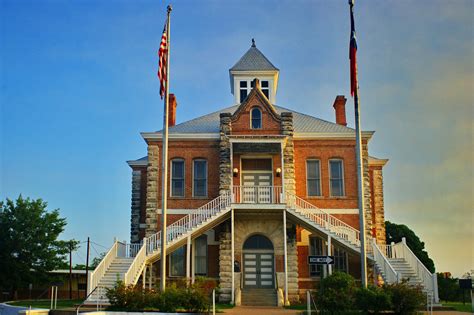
353,51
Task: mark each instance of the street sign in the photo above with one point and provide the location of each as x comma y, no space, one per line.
321,260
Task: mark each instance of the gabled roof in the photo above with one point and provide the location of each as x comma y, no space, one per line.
253,60
302,123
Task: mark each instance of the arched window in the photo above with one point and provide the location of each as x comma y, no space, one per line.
258,242
256,118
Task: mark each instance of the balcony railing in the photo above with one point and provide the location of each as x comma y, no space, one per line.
257,194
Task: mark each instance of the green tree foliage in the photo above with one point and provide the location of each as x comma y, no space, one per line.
336,293
395,233
29,245
448,288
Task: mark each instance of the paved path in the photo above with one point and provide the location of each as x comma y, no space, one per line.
260,310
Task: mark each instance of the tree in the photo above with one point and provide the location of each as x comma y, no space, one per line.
29,245
395,233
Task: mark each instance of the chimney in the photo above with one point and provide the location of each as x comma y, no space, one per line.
172,110
340,109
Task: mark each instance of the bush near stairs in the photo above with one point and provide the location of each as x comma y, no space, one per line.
132,298
338,293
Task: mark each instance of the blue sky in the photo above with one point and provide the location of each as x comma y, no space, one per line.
78,84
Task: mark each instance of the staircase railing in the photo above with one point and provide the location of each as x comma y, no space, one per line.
187,223
133,272
98,273
324,219
380,257
257,194
429,280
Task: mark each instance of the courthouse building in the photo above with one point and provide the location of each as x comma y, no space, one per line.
254,189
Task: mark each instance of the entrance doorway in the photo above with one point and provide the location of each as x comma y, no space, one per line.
259,262
257,181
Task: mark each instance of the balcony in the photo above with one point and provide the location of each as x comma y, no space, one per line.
257,195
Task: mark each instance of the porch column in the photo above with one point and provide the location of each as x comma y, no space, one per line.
329,254
188,260
283,195
193,264
286,257
232,298
144,277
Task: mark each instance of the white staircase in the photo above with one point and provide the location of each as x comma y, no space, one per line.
125,262
310,216
396,263
122,262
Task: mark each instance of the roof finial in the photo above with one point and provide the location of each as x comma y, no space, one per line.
253,42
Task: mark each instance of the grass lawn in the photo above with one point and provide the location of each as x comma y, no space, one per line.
45,303
459,306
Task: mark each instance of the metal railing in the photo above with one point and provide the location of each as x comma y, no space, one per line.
324,219
133,272
257,194
99,272
380,257
189,222
429,280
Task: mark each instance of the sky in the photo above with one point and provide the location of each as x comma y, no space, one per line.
78,83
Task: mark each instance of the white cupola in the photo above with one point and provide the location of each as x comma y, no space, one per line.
253,65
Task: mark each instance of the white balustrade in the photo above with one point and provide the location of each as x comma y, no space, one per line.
324,219
98,273
380,257
186,224
133,272
429,280
257,194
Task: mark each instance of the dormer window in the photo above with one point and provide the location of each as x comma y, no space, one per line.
256,118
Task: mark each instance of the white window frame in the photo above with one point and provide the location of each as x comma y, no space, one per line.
342,177
207,256
249,87
170,263
251,117
207,177
184,178
319,181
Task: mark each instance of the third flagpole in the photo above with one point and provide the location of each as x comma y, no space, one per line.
164,162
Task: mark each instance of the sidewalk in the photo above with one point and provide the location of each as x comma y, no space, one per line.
261,310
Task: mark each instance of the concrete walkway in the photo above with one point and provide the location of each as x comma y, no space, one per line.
260,310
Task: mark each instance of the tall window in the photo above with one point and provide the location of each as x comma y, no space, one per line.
256,117
340,259
177,178
336,178
243,90
177,263
315,248
313,178
266,89
201,255
200,178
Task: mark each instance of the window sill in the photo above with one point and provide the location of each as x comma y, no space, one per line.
338,197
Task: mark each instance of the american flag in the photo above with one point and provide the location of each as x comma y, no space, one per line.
163,61
353,52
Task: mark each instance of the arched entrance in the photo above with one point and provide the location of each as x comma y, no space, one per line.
259,265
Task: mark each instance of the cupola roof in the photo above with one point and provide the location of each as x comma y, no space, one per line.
254,60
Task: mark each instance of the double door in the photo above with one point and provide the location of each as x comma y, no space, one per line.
257,187
259,270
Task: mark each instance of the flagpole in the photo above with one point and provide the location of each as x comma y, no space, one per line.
164,161
360,174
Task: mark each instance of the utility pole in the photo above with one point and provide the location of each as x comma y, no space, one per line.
70,270
87,264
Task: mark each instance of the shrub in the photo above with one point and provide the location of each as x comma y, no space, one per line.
336,293
171,299
128,298
405,299
372,300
